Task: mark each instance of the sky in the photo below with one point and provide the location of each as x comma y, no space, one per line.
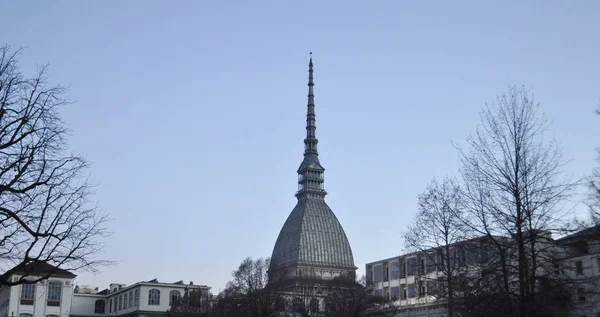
193,112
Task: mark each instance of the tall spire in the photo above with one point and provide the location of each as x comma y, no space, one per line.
310,172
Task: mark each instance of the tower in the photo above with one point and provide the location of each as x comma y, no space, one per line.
312,245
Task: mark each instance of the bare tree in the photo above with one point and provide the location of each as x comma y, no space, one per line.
45,214
194,303
249,293
434,236
515,186
353,299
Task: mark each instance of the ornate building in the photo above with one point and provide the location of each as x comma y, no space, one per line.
312,249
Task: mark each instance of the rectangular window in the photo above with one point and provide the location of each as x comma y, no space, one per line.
27,291
598,263
394,293
423,266
394,270
579,267
581,294
54,291
404,269
404,293
387,273
377,274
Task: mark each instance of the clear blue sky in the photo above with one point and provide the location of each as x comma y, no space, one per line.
192,112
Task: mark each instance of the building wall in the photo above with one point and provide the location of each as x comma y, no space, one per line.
589,264
164,297
85,304
39,307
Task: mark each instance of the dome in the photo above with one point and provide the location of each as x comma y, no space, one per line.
313,236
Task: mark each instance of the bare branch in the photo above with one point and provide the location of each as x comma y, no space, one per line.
45,212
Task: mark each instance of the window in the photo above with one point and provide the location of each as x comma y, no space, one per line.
99,306
51,315
137,297
314,305
120,301
579,267
110,305
404,293
423,266
126,300
154,297
25,315
54,290
27,291
174,297
581,294
130,299
387,273
404,269
598,262
115,304
298,305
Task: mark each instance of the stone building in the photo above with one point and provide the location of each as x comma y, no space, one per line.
312,250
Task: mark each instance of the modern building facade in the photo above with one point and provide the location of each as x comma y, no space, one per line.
58,297
411,282
312,248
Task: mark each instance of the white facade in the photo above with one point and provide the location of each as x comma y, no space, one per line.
139,299
35,300
56,297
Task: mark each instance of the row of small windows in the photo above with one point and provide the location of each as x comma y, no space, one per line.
30,315
53,294
124,301
131,299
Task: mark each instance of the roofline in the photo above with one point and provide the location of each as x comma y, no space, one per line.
151,284
427,250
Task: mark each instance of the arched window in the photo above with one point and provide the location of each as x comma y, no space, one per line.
126,300
130,299
25,315
174,297
137,297
99,306
120,301
154,297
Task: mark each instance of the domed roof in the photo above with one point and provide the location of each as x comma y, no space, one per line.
313,236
